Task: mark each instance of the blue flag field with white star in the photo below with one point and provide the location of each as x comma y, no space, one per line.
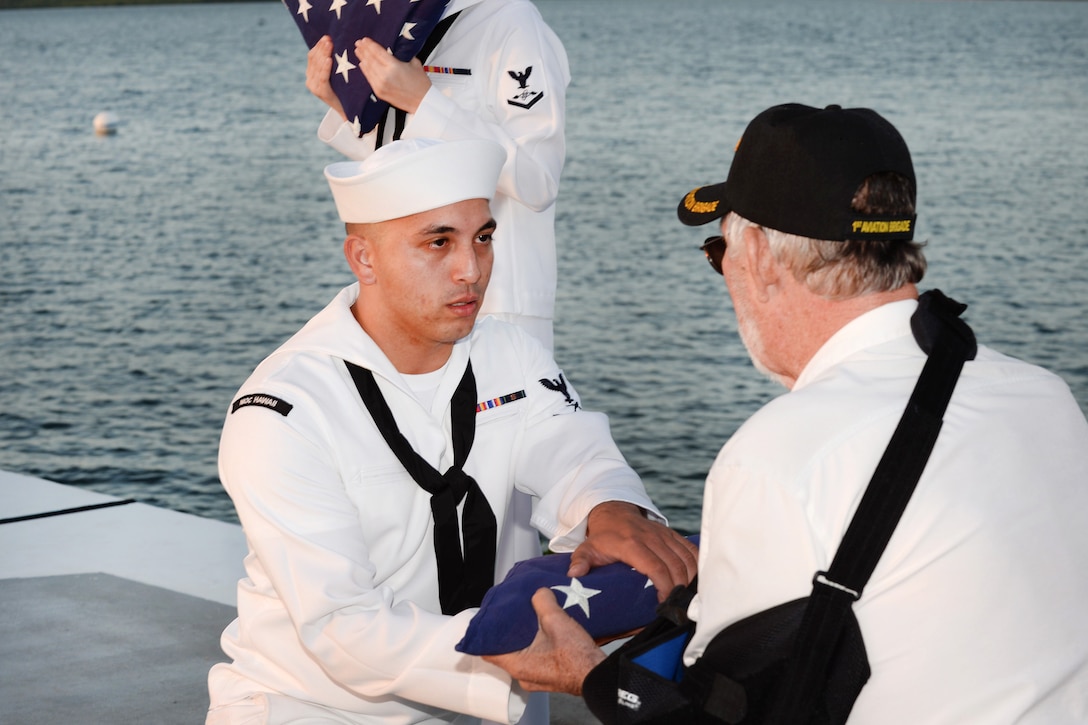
401,26
609,601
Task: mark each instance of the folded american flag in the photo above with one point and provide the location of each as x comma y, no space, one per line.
400,25
608,602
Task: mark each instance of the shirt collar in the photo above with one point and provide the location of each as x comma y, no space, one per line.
334,331
883,324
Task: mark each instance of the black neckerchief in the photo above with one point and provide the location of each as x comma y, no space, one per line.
462,580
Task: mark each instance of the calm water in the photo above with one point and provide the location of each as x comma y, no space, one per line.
142,276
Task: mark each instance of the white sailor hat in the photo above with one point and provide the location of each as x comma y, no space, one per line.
414,175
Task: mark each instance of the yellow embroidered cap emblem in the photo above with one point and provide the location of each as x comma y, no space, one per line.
699,207
882,227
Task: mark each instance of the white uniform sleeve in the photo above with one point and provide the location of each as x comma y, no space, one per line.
308,548
340,135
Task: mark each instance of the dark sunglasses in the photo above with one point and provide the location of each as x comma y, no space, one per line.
714,249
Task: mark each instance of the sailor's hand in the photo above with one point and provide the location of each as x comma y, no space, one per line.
401,85
318,73
559,657
618,531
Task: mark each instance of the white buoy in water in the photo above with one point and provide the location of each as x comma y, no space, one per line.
105,124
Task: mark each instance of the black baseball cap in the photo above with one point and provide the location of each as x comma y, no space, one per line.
796,169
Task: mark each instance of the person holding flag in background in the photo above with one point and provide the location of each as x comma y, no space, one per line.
466,69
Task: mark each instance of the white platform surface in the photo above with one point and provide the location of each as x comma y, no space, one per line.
180,552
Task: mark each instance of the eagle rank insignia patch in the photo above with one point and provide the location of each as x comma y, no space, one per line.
526,97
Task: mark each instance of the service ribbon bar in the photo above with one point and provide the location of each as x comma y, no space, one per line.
496,402
446,70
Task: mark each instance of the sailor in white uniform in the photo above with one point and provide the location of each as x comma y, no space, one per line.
365,562
497,72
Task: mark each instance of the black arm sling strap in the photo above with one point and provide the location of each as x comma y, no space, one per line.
400,118
949,343
462,580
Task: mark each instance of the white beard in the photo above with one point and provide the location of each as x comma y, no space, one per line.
752,338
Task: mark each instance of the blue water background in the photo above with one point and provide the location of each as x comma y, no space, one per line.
143,275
